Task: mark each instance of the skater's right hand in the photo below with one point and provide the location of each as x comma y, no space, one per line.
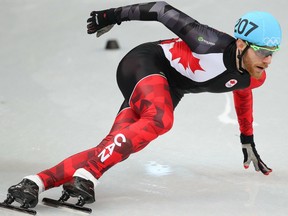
100,22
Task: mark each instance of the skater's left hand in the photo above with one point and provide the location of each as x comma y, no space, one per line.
250,154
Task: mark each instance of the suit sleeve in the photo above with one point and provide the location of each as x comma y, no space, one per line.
243,102
181,24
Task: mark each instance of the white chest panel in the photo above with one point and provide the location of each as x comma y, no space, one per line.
197,67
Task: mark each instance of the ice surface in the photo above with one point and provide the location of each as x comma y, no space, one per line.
58,96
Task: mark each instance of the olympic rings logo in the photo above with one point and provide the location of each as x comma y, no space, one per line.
271,41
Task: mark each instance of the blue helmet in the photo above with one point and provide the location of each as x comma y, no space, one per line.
259,28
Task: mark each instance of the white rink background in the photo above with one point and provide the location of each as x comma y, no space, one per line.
58,96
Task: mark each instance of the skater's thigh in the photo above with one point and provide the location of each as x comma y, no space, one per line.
136,65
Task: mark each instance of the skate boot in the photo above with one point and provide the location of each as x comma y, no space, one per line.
25,193
81,188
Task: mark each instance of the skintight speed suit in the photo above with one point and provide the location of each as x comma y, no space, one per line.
153,78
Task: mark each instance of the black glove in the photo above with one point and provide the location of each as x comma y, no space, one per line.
101,22
250,154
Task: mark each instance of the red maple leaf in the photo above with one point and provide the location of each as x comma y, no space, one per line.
181,50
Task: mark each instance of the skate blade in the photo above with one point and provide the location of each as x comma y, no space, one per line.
18,209
57,203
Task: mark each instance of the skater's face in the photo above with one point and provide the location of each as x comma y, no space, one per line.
256,59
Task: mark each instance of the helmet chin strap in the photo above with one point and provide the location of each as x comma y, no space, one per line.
240,56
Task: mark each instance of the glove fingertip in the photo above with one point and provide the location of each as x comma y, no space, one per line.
268,172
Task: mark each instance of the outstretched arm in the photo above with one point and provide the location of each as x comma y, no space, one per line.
174,19
178,22
243,101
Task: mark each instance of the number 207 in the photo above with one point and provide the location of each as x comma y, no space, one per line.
245,26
